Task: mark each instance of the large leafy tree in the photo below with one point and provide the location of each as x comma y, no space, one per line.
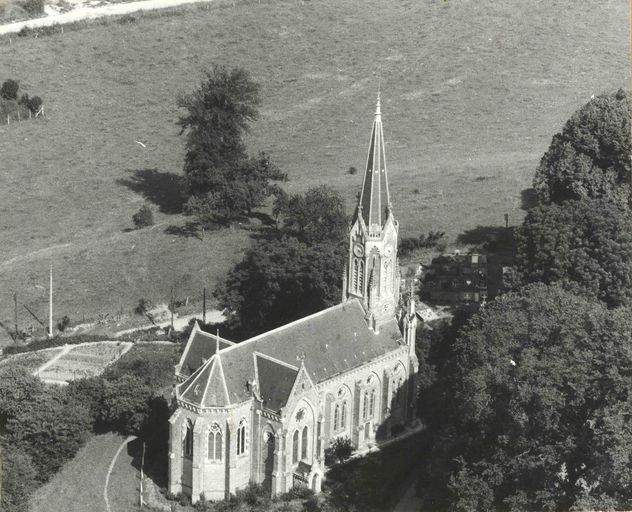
223,182
18,480
316,216
296,271
590,158
279,281
585,245
537,408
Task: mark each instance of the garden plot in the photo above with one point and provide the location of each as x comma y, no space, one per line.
31,361
81,361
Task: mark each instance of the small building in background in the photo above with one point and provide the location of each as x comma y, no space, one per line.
456,278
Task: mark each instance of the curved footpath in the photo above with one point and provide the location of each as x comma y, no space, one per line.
82,13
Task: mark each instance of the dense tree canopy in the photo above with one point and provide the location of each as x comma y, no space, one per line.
536,396
279,281
223,182
586,245
590,158
316,216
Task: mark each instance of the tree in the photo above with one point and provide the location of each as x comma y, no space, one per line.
279,281
223,183
585,245
590,158
125,404
143,217
9,89
18,480
537,408
317,216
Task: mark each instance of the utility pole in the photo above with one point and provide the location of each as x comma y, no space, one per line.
171,308
50,304
15,303
204,306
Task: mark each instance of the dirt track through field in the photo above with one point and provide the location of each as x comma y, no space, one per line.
83,13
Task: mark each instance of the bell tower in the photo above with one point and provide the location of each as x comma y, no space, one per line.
372,272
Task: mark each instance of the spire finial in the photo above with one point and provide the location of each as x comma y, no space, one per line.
378,111
217,342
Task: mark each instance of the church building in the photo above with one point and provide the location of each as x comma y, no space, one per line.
264,410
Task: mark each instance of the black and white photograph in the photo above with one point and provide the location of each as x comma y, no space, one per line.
315,256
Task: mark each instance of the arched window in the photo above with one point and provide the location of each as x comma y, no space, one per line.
343,415
336,416
304,443
400,390
241,437
295,447
187,442
356,273
395,393
215,443
372,403
365,406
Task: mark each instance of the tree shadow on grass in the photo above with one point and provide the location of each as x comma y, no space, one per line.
164,189
490,239
189,229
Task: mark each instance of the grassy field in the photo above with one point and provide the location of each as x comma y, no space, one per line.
472,93
74,489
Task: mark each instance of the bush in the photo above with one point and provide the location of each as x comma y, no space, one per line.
9,90
341,448
143,217
34,104
432,239
63,323
143,306
34,7
352,170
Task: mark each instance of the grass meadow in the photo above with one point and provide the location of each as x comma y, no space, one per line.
472,93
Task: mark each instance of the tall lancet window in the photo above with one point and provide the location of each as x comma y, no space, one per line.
187,441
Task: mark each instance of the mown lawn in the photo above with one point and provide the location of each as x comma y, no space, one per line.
472,93
79,486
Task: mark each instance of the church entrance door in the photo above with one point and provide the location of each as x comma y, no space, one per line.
267,459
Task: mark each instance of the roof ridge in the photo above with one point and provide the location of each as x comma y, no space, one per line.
215,336
195,375
291,324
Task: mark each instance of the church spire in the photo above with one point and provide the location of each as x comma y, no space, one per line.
375,202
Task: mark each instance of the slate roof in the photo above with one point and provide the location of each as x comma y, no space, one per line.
200,347
275,380
330,342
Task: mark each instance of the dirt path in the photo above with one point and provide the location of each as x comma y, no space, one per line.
82,13
109,473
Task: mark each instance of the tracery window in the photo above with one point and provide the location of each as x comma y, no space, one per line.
365,404
343,415
336,417
187,441
358,275
372,403
215,443
241,437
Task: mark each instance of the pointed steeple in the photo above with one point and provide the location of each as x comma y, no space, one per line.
375,201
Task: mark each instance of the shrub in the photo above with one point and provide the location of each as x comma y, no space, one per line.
298,493
143,306
352,170
9,89
33,7
34,104
143,217
340,450
63,323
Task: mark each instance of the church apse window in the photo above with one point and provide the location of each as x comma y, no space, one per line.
295,447
187,442
241,437
215,443
372,403
343,415
336,417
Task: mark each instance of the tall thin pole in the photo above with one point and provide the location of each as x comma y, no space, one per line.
171,308
15,303
50,304
204,306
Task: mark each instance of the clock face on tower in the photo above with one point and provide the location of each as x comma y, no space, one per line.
358,250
